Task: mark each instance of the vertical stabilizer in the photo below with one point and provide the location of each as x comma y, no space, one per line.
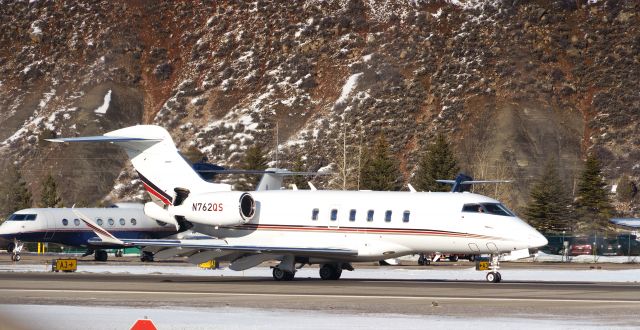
157,161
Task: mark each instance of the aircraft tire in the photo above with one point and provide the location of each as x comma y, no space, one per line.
330,272
146,256
10,247
453,258
282,275
101,255
494,277
17,257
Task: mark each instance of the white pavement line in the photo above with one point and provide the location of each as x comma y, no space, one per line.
298,295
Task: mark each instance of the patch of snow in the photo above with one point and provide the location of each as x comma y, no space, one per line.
28,67
35,29
246,55
351,83
367,57
543,274
325,169
105,104
123,317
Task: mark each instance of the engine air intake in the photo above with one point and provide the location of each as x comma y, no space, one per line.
247,206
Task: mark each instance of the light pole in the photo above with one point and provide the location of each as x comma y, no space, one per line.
564,247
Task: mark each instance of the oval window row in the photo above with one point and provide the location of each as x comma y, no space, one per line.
99,221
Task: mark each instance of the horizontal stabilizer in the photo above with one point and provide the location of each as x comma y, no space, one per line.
102,138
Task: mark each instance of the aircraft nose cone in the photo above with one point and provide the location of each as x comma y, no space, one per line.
537,240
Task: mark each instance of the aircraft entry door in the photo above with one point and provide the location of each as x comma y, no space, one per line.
49,223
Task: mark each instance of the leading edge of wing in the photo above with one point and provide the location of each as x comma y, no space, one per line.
102,138
203,244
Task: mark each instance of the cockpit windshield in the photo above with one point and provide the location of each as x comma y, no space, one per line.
489,208
22,217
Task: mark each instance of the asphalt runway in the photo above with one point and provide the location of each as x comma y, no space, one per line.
613,304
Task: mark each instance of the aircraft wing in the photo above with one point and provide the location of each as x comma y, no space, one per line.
220,245
626,222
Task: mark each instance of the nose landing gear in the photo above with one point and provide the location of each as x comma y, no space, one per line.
494,276
15,248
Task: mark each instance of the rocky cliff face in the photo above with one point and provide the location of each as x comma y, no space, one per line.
513,84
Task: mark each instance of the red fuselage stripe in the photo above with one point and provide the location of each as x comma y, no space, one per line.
157,194
354,230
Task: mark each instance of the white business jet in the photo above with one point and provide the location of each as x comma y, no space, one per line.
303,227
63,226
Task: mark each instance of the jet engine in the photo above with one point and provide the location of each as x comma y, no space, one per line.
228,208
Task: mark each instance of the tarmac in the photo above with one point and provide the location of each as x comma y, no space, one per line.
613,304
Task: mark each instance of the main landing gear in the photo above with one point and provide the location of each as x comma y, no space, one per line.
15,248
285,270
282,275
146,256
494,276
101,255
333,271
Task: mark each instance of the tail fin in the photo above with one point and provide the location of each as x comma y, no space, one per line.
157,161
463,182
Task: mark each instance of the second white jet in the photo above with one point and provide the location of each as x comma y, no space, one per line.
303,227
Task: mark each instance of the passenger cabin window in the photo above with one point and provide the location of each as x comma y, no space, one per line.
314,214
352,215
488,208
133,221
370,215
334,215
99,221
76,222
110,222
22,217
387,216
65,222
122,222
405,216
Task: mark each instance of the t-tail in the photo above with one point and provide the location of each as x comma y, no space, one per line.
165,174
186,197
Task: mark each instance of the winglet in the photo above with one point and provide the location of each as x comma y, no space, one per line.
411,188
104,235
311,186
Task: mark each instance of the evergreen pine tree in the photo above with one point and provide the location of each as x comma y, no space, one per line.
50,196
438,162
254,159
550,206
15,193
299,180
592,203
379,170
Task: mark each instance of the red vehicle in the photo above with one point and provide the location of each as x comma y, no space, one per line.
580,246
